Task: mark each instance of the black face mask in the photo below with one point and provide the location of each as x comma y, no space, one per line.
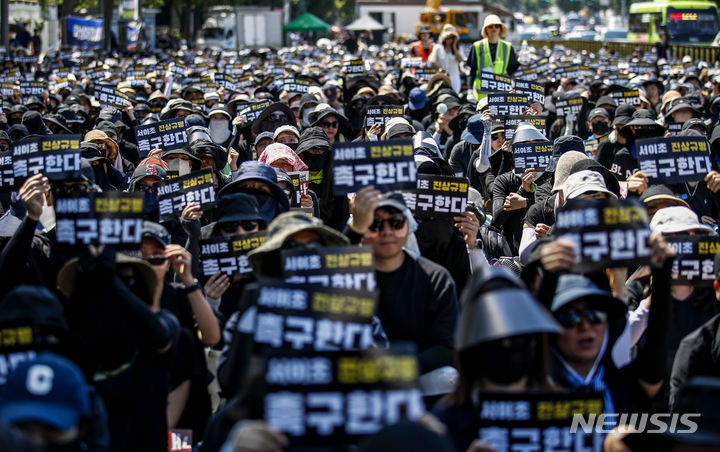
315,162
641,134
261,196
434,236
73,446
600,128
509,364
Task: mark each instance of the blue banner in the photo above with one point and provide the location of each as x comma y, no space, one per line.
85,33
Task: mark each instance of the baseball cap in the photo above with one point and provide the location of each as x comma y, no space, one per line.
417,99
262,136
595,112
49,389
156,231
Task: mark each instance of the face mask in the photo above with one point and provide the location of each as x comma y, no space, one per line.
265,201
315,162
510,363
151,203
306,115
642,134
331,94
181,166
292,146
47,217
219,130
73,446
434,236
600,128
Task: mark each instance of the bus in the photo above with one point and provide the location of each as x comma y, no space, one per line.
686,22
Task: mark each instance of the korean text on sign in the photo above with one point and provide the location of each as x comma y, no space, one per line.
56,156
338,398
694,262
229,254
388,165
675,159
111,218
195,187
107,95
346,267
507,104
532,155
512,122
606,233
437,196
494,83
166,135
537,421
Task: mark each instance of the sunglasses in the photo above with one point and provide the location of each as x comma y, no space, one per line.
574,318
231,226
496,136
396,223
292,244
327,125
277,117
155,260
493,26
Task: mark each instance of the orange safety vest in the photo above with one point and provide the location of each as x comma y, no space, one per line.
419,50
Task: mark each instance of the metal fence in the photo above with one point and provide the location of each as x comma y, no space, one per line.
697,53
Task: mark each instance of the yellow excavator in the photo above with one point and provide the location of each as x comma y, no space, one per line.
435,17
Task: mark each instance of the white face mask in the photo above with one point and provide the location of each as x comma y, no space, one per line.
219,130
306,114
179,165
47,217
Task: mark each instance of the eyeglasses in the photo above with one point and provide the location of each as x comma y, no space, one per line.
574,318
328,125
231,226
396,223
155,260
496,136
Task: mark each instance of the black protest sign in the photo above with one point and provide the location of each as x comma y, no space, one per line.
224,80
412,62
296,85
694,261
512,122
354,67
569,107
674,160
538,421
507,104
627,96
606,233
532,155
56,156
95,73
7,175
491,82
301,182
535,91
388,165
341,267
167,135
32,88
313,318
7,88
110,218
177,193
242,83
107,95
527,73
437,197
331,400
424,74
252,111
380,114
229,254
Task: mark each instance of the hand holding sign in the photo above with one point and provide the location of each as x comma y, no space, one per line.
32,193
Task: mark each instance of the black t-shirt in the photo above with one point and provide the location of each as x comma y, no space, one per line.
418,304
542,212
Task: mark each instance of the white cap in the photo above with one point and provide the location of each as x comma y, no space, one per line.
585,181
286,128
674,219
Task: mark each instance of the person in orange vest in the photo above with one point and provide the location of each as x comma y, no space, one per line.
424,45
491,53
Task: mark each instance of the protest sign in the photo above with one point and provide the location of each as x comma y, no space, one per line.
301,182
507,104
252,111
694,261
175,194
532,155
167,135
512,122
108,95
341,267
388,165
85,33
606,233
437,196
569,107
535,91
491,82
674,160
627,96
56,156
229,254
295,85
380,114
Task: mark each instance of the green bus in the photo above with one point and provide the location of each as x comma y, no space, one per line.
686,22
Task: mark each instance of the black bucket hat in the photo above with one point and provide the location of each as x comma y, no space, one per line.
238,207
58,121
642,118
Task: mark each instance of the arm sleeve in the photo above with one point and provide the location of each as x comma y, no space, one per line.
16,257
438,338
459,159
471,63
499,192
650,361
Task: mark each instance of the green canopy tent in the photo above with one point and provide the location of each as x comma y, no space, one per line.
307,22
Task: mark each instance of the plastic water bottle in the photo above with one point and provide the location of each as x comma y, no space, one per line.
442,109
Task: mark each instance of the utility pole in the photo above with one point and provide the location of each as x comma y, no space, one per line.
5,24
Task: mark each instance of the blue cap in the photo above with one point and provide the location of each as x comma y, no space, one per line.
417,99
474,130
50,389
571,287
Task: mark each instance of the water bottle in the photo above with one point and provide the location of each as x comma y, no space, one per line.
441,109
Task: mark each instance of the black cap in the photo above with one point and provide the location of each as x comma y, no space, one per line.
156,231
107,127
92,152
623,114
562,145
237,207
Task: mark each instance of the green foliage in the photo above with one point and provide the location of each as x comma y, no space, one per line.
331,11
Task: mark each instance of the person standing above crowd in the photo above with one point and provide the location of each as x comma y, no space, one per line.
492,53
424,45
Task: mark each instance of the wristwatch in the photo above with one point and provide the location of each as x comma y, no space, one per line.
192,288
